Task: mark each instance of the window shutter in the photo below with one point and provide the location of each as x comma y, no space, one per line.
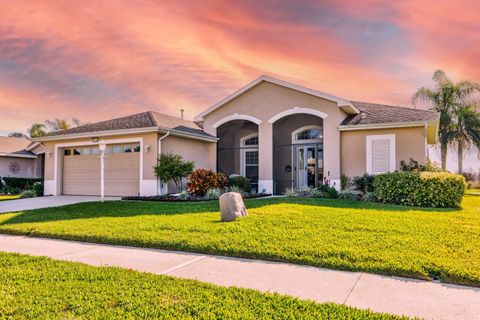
380,156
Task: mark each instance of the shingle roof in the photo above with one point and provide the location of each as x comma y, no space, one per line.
149,119
382,114
10,145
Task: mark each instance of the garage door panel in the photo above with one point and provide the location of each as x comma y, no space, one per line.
81,174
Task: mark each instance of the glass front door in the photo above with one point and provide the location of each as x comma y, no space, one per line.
308,166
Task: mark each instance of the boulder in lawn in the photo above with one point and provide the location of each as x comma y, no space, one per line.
231,206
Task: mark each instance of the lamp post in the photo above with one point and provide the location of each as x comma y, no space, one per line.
101,147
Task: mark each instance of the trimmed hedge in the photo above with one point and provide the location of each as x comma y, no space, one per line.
241,182
425,189
20,183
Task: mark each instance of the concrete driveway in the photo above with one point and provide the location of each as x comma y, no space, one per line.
46,202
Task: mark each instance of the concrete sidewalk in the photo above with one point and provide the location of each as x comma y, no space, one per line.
362,290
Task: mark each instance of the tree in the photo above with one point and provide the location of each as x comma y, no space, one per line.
78,123
37,130
17,135
57,124
466,130
172,167
447,97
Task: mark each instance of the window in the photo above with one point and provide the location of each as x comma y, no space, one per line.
380,153
107,150
76,152
251,164
67,152
136,148
127,149
95,151
116,149
251,141
309,134
86,151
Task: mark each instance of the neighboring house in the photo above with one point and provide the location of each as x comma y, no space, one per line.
278,134
20,158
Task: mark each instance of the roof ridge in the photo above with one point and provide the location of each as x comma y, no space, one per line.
390,106
152,117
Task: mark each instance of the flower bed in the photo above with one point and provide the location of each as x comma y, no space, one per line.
188,198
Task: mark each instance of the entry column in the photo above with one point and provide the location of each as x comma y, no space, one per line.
265,157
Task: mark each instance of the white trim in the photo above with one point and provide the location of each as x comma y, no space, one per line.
392,155
96,134
58,146
32,146
265,186
236,116
296,132
12,155
245,148
382,126
350,108
296,110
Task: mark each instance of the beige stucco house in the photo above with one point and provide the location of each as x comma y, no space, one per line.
278,134
20,158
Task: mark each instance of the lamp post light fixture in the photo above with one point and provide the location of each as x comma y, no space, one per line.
102,146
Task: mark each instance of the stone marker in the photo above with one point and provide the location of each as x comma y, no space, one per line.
231,206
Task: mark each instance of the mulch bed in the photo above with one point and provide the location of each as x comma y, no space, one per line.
172,198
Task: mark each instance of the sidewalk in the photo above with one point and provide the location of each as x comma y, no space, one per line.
362,290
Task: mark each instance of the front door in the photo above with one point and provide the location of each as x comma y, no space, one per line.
306,160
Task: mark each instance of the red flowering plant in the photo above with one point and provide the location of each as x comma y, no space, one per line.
202,180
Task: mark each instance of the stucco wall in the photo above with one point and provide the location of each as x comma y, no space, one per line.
29,168
410,143
267,100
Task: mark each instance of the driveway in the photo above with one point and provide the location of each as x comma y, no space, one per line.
46,202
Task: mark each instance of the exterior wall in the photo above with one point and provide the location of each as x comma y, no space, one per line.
54,156
29,168
410,143
202,153
267,100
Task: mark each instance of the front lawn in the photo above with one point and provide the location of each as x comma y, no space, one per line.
42,288
439,244
9,197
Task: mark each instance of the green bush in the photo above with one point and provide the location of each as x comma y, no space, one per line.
425,189
20,183
172,167
364,183
27,194
329,192
241,182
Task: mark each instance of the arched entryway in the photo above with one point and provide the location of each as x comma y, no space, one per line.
297,152
237,150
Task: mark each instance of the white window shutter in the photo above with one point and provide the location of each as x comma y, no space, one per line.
380,151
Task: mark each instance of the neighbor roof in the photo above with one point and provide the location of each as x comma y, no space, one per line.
372,113
145,120
15,147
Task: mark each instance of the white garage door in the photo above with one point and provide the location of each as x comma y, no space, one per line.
81,170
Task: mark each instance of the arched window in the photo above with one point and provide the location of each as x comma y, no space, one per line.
253,141
308,134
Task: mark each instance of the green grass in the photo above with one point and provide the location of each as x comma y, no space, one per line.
42,288
9,197
472,191
348,235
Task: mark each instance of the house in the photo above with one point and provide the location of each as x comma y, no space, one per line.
20,158
278,134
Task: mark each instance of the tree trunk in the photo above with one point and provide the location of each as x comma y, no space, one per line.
443,156
460,157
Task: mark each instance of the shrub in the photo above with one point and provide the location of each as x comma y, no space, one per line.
37,188
345,182
369,196
20,183
413,165
213,194
329,192
172,167
202,180
238,190
27,194
239,181
426,189
364,183
473,185
350,195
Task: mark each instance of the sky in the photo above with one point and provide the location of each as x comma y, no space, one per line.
95,60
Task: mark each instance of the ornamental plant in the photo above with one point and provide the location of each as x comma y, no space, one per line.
172,167
202,180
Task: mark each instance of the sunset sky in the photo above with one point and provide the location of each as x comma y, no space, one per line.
96,60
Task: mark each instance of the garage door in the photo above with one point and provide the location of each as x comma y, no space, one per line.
81,170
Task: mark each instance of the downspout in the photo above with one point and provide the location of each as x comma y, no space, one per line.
425,133
159,146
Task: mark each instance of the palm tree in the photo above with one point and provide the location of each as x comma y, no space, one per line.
37,130
57,124
467,130
447,97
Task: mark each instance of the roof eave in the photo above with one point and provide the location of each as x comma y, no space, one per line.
385,125
13,155
94,134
